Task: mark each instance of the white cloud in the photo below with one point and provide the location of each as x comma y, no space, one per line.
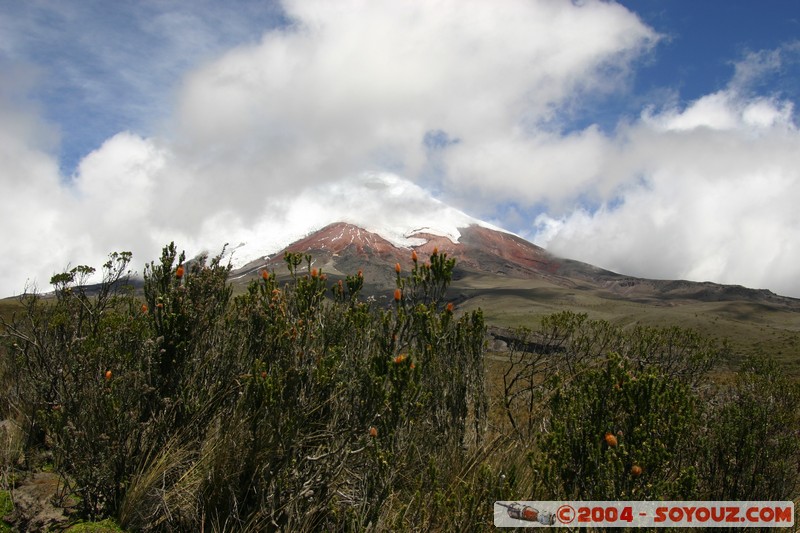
725,110
709,193
358,85
272,138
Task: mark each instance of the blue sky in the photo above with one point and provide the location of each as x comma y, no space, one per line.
701,43
652,137
705,39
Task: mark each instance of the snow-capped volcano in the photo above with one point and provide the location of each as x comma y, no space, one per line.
373,220
383,204
342,248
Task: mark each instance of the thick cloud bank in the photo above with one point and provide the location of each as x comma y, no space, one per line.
706,192
264,141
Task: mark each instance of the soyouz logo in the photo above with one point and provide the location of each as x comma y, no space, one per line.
644,514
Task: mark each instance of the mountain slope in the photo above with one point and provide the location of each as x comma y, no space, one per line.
342,248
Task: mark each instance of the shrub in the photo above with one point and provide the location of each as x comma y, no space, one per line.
280,408
613,434
303,406
751,448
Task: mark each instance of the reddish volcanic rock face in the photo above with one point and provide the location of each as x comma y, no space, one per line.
510,249
343,246
340,249
338,237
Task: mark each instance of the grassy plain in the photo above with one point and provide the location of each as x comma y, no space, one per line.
750,327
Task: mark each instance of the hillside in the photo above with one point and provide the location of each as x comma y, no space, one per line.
516,282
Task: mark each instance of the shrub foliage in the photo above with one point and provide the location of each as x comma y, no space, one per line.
302,406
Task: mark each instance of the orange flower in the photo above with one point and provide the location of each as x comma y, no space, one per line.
636,470
399,359
144,308
360,274
108,375
373,431
435,250
414,255
450,307
179,272
397,267
264,275
611,440
313,272
398,294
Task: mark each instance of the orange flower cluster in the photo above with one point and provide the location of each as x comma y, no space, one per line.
108,375
450,307
373,431
400,358
414,255
314,273
397,267
398,295
144,308
611,440
179,272
264,275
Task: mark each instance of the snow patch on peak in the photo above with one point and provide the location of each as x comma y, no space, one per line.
382,203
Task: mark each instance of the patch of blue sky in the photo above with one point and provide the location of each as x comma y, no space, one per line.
703,41
516,217
701,44
436,140
107,67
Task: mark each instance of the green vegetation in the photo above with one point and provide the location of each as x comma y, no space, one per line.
750,328
6,506
103,526
302,406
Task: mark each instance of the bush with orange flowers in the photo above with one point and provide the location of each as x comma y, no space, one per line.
654,413
427,283
281,408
